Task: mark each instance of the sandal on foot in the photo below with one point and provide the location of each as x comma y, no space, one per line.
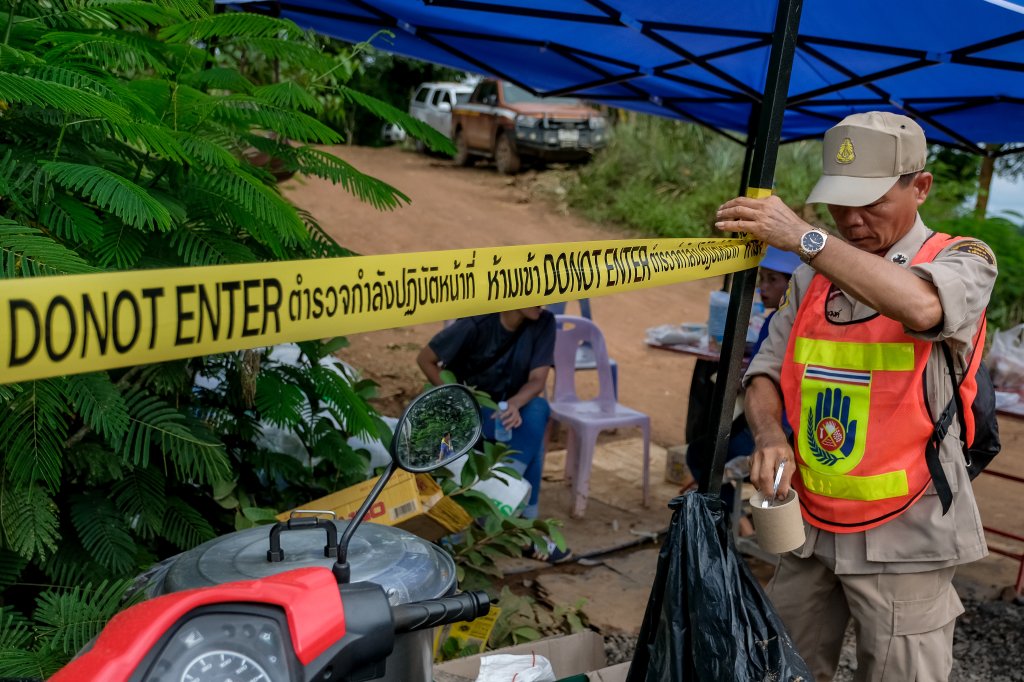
551,554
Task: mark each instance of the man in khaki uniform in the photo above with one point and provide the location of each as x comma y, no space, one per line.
880,549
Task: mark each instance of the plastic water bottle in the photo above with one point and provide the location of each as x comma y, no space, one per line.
501,433
716,315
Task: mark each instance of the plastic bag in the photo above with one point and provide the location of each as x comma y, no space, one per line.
1006,359
707,617
505,667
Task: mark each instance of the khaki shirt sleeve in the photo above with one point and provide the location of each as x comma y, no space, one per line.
768,361
963,274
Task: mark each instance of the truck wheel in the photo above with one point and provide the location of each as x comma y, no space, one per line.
506,158
462,155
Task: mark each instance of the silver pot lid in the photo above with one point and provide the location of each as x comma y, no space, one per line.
406,566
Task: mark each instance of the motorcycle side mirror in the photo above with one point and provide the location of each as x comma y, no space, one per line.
438,426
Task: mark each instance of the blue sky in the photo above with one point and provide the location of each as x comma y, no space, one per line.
1006,196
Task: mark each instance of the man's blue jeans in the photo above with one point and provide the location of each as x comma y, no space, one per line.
528,442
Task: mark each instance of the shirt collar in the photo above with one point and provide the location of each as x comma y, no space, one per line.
904,250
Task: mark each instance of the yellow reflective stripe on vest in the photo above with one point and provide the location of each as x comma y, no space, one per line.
865,488
895,357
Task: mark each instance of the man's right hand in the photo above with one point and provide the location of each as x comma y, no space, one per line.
764,463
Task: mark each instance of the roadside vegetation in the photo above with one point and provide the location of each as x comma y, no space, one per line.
663,177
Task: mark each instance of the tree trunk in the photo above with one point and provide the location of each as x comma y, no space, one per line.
985,181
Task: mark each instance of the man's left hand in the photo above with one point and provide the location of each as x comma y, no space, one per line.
768,219
510,417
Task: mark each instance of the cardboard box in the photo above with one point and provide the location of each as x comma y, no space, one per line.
413,502
467,633
569,655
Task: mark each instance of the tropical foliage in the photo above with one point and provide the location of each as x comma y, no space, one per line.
128,135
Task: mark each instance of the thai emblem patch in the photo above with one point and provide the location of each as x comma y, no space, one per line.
837,402
845,154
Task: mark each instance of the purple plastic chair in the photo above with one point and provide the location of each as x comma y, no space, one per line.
585,419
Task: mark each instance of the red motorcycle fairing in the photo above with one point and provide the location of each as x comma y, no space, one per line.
309,597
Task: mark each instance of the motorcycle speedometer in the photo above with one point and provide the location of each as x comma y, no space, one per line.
224,665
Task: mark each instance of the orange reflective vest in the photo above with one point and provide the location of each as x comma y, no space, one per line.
854,395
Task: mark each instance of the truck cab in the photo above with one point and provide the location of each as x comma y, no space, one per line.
509,124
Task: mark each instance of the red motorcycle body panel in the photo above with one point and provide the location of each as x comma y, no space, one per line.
308,596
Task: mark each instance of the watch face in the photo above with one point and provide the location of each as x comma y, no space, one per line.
812,241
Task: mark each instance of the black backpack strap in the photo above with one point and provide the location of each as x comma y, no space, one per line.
955,406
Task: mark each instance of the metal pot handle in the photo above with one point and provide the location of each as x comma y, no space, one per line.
275,553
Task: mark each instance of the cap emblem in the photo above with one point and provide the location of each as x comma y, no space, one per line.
845,154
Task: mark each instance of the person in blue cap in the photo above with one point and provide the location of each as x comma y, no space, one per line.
777,267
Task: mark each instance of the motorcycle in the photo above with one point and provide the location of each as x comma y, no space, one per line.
302,625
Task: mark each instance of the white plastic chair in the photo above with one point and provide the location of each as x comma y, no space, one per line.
585,419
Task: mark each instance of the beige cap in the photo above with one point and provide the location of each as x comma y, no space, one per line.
864,155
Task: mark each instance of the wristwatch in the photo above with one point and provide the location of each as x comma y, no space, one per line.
811,243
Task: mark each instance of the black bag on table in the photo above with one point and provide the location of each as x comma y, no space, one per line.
707,618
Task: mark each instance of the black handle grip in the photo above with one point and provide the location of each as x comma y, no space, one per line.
422,615
275,553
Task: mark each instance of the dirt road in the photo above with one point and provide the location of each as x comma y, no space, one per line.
475,207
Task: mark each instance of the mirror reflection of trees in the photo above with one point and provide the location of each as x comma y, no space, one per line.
439,426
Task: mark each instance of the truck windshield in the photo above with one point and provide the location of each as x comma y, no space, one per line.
516,95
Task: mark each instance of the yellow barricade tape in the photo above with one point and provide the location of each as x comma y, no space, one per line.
52,326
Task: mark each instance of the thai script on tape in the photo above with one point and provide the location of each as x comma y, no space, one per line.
52,326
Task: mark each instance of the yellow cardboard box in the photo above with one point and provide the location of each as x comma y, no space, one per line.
413,502
475,632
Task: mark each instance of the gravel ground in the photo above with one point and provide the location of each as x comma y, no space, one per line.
987,645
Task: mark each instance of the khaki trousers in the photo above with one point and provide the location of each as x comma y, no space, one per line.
903,622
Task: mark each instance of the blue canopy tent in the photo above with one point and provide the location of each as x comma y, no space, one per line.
957,67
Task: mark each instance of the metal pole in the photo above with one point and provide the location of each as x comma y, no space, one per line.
757,183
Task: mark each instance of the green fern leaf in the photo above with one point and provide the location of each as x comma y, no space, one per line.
206,151
103,532
28,521
20,664
230,25
114,50
101,406
379,194
288,95
218,78
259,208
139,15
14,631
68,218
155,422
70,619
278,401
190,9
156,140
294,125
47,94
33,430
120,246
142,497
349,408
301,54
94,463
27,252
167,378
11,566
323,244
72,565
414,127
183,526
198,246
112,192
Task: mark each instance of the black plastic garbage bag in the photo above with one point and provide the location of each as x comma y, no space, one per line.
707,617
